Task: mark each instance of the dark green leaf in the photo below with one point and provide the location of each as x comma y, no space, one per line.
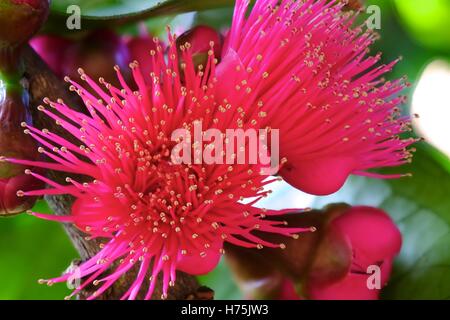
217,18
111,13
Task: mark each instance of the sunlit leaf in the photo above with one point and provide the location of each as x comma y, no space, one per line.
428,21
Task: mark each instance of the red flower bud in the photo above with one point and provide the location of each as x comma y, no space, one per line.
20,20
12,200
349,257
374,240
97,54
14,143
140,48
200,40
52,50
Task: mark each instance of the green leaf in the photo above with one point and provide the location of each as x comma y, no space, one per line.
217,18
31,249
221,281
420,206
428,21
111,13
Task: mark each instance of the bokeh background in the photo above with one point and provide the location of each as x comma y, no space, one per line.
417,30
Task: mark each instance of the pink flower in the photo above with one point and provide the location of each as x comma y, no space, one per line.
374,240
154,214
303,68
297,66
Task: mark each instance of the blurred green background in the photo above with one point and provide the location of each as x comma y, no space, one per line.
419,31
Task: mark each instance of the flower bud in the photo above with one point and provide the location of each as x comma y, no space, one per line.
200,39
12,200
374,240
335,262
97,54
20,20
140,48
14,143
52,50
